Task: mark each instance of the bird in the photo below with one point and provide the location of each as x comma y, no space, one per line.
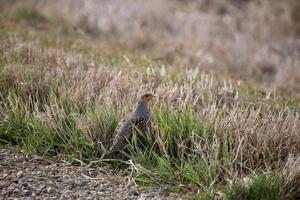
140,118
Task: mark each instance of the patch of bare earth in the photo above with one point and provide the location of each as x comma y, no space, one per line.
30,177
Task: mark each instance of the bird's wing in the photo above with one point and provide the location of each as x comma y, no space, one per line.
142,123
124,131
118,128
122,136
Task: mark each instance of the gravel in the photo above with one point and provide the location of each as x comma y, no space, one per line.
31,177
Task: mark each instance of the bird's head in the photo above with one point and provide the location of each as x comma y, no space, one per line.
145,98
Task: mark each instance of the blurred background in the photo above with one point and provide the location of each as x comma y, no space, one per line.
253,40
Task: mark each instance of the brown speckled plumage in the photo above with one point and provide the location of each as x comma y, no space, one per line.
140,118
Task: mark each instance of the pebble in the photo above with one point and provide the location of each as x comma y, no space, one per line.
64,194
38,173
50,190
41,188
133,193
4,185
27,193
80,182
24,185
19,174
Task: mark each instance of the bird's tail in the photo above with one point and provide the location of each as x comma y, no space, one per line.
108,153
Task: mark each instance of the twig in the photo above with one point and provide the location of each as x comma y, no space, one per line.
91,178
81,162
107,160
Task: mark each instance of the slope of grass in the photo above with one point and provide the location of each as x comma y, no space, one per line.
63,93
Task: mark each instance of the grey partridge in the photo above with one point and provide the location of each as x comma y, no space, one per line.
140,118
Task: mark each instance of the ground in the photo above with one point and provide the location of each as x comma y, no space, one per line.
24,176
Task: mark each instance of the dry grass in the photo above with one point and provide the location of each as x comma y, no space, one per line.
62,93
254,40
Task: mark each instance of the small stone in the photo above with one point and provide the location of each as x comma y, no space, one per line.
100,193
19,174
80,182
16,190
50,189
39,173
66,177
101,188
133,193
86,192
24,185
26,193
64,194
4,185
8,177
41,188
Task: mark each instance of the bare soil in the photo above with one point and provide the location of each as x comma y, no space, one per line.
31,177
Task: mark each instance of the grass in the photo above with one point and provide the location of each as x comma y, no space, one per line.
263,186
62,95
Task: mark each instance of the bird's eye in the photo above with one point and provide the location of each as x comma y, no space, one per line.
146,95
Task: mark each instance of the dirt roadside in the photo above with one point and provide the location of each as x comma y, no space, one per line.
31,177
